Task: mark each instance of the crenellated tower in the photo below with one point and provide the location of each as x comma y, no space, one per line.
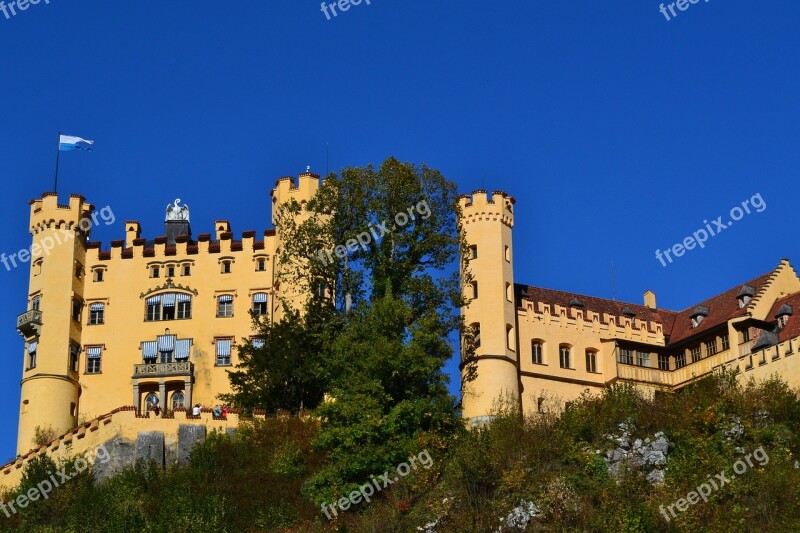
486,223
286,191
52,325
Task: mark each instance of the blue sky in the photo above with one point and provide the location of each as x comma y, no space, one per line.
617,131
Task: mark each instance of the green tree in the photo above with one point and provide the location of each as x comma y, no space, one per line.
286,372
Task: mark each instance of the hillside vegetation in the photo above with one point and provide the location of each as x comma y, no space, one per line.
260,479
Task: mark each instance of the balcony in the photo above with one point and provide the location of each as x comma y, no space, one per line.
29,324
160,370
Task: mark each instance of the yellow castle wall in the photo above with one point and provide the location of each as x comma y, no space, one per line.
52,394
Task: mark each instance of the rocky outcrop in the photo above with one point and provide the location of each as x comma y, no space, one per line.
648,456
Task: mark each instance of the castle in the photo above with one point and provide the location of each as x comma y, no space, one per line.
147,325
540,348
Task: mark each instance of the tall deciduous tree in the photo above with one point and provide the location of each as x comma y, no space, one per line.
379,250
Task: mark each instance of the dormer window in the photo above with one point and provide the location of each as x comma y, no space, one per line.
746,293
698,315
783,315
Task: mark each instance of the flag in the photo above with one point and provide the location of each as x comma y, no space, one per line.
67,143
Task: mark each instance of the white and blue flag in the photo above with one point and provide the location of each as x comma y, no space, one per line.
67,143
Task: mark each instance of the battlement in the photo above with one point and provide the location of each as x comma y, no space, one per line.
287,190
46,212
647,331
159,248
480,206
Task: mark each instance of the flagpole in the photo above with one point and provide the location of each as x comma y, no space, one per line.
58,153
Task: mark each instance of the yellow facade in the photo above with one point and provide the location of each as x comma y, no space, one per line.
543,348
167,295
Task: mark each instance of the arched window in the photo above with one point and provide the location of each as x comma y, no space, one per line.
591,361
151,400
537,352
169,306
564,356
178,399
36,303
511,341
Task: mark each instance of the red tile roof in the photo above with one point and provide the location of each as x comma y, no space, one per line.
591,303
792,328
722,308
677,325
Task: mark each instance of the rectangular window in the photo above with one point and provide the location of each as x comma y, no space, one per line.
261,265
225,306
155,272
536,349
187,270
153,310
591,361
97,314
94,355
476,330
626,356
226,267
696,354
260,304
746,335
563,357
184,307
74,351
642,358
32,347
663,362
474,290
98,275
726,342
76,310
711,347
224,347
171,272
680,360
473,252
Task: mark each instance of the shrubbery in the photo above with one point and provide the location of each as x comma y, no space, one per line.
254,481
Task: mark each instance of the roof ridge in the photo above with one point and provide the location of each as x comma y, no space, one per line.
579,295
738,285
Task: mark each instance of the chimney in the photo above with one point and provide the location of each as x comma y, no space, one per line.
650,299
221,226
132,231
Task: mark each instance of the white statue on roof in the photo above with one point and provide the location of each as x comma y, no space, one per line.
177,212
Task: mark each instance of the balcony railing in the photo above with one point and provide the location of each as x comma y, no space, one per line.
679,376
157,370
29,323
